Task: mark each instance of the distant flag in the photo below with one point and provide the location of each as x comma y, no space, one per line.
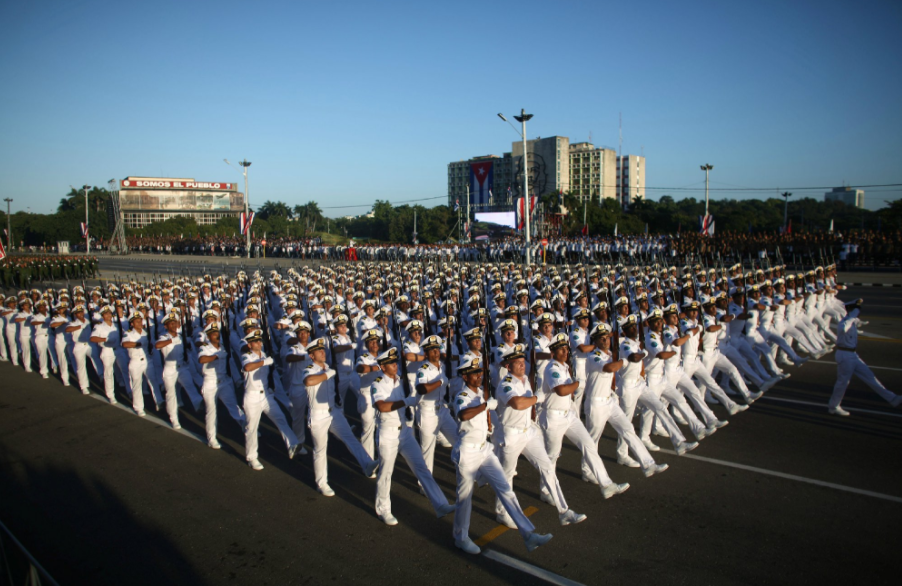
585,230
706,225
521,213
245,221
831,225
2,250
491,198
84,230
456,204
615,229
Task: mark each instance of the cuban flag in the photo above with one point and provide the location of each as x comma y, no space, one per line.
245,221
481,175
84,230
2,251
706,225
521,214
456,204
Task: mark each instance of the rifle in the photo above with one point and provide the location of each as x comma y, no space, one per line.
335,368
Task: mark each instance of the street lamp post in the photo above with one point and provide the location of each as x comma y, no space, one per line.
87,223
245,164
786,195
522,118
707,169
9,230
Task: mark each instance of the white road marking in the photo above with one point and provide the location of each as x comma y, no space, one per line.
879,495
530,569
824,405
869,366
868,335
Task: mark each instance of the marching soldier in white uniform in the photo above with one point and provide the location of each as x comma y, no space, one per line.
259,399
602,405
474,459
140,368
79,328
396,437
175,369
518,434
848,363
40,323
216,362
367,371
326,417
559,418
106,336
433,416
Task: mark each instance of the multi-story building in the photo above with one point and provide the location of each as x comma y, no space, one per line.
144,200
553,165
592,172
630,178
847,195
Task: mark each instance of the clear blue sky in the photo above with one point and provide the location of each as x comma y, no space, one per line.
343,103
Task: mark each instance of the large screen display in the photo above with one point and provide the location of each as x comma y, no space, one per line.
508,219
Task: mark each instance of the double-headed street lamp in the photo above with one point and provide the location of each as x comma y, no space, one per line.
786,195
245,164
522,118
87,222
707,169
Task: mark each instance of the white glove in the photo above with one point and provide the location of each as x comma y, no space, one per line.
491,404
329,373
411,401
267,361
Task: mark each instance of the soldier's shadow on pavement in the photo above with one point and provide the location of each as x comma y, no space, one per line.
81,532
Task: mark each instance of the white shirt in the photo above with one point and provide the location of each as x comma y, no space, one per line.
321,397
476,429
556,374
389,390
216,370
509,388
255,381
110,332
139,352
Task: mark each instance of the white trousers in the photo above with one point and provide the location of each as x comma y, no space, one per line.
556,425
181,374
741,362
13,345
698,369
140,371
528,442
849,364
661,387
62,360
395,439
25,348
367,421
108,360
224,390
43,353
80,351
297,392
652,403
255,405
716,360
473,463
603,410
432,419
684,384
322,423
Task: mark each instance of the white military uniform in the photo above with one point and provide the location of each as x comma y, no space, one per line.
659,384
848,363
40,335
579,337
602,407
60,345
517,434
433,415
297,392
559,418
474,458
140,368
395,437
218,384
177,370
365,403
110,334
25,337
80,350
259,399
326,418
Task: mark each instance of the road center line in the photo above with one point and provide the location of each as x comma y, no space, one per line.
530,569
886,497
501,529
856,409
869,366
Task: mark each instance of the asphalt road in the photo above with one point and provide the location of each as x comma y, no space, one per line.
785,494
